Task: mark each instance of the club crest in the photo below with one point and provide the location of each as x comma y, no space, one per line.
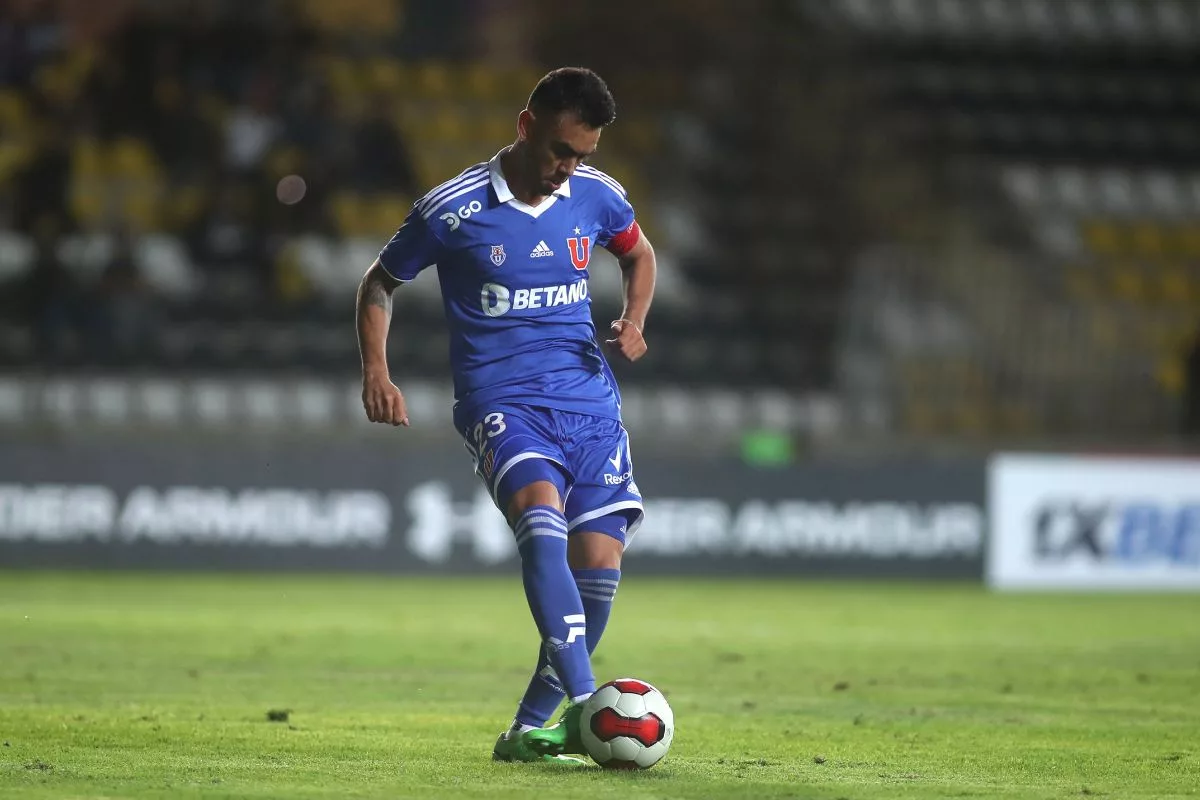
498,254
581,250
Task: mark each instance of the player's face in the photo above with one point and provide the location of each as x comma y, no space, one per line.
557,146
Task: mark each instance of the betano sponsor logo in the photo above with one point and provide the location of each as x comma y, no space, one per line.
497,299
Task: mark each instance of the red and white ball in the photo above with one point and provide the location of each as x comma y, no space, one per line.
627,724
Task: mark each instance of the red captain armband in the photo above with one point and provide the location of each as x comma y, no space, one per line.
624,241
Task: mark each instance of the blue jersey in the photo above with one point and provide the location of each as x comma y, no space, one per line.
514,282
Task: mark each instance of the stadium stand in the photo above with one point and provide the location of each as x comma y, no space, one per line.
953,185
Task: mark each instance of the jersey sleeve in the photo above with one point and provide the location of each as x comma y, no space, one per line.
413,248
616,218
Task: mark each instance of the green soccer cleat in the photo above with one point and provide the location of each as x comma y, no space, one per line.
560,738
517,748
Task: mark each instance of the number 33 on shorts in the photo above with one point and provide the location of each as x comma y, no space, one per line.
477,441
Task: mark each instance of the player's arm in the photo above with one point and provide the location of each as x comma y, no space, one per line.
638,268
382,401
413,248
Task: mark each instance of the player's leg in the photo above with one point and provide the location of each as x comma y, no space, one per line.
535,515
603,508
595,562
603,511
517,456
534,510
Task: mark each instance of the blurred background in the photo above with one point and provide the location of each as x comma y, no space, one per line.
909,231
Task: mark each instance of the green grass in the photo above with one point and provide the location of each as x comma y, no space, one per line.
159,686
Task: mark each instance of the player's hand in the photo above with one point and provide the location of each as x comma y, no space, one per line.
383,401
627,342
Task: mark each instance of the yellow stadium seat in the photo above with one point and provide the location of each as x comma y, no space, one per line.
1187,241
1128,283
433,80
374,17
479,82
421,130
185,204
439,164
1082,282
1175,286
1014,418
14,115
88,206
1105,330
13,156
1103,238
638,136
387,75
388,212
1156,332
142,209
343,75
497,127
290,281
284,161
212,108
970,418
920,418
88,193
132,158
1170,375
1148,238
350,214
448,126
87,158
512,86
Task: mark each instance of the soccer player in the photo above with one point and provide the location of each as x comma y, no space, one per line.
535,399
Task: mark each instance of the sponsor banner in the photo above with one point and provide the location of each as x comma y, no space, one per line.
352,506
1065,522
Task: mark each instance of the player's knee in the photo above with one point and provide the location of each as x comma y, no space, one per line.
592,550
531,482
538,493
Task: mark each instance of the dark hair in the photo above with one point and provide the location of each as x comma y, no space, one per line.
578,90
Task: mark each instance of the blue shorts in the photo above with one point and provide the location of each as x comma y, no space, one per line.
591,453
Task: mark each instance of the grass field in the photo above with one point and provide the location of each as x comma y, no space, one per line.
160,686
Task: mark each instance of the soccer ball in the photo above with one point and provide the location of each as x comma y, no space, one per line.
627,724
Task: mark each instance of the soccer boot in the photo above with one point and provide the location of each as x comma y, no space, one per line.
516,748
560,738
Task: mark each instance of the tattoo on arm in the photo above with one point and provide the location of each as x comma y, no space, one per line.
376,290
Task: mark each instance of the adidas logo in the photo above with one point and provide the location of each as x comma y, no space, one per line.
542,250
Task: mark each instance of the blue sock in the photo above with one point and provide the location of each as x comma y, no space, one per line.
597,587
553,597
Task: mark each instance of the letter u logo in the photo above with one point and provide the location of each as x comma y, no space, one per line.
581,251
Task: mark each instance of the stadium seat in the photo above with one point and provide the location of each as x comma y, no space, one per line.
387,76
87,254
350,214
1175,286
17,253
1129,283
14,113
434,80
166,266
387,213
479,82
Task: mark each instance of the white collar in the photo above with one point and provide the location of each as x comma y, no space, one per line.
505,195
